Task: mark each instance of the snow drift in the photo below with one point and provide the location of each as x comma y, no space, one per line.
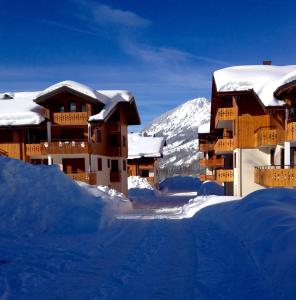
42,199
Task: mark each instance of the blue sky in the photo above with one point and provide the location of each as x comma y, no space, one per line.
164,51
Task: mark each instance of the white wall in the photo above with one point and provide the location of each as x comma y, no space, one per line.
246,160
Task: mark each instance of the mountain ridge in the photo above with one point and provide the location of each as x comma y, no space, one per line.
180,127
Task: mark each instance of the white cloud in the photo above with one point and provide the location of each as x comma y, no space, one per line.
108,15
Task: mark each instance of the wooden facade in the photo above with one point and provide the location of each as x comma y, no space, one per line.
67,136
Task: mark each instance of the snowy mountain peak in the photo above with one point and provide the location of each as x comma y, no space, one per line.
180,127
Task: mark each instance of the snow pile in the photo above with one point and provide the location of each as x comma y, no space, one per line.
180,127
21,110
264,80
211,188
180,183
137,182
41,199
144,146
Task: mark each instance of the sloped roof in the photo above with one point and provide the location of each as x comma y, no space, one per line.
23,108
264,80
144,146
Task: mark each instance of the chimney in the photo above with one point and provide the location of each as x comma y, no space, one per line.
267,62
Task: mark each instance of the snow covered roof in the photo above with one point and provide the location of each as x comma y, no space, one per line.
24,109
111,98
263,79
144,146
73,85
204,128
20,110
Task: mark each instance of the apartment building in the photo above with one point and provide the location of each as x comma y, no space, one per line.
82,130
251,141
144,153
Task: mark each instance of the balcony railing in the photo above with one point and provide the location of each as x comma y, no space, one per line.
267,136
205,177
224,175
225,114
115,176
68,147
35,149
291,131
224,146
275,176
70,118
211,163
89,178
206,147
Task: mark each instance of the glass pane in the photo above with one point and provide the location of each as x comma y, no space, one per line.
72,107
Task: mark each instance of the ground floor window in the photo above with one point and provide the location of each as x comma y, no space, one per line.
73,165
99,164
124,165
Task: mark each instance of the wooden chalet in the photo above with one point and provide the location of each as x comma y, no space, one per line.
82,130
251,143
144,154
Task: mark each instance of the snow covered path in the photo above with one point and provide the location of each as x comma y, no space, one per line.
156,259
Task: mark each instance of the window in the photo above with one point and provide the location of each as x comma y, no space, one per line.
145,173
99,136
108,162
124,165
124,141
99,164
114,165
72,106
234,160
60,108
83,107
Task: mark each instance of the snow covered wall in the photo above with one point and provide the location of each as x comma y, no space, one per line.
180,127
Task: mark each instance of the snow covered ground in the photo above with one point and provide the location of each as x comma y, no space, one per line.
59,240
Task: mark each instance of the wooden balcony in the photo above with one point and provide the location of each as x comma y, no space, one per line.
205,177
211,163
267,137
291,132
89,178
206,147
224,146
224,175
275,176
11,149
225,116
35,149
71,147
115,176
70,118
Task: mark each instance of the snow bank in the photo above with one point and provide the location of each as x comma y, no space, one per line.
144,146
264,80
137,182
211,188
180,183
42,200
